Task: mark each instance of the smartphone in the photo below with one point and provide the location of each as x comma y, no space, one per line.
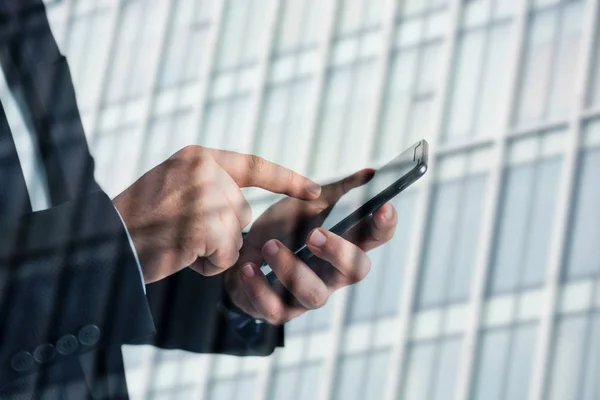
387,182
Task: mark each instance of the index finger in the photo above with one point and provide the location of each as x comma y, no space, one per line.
333,191
248,170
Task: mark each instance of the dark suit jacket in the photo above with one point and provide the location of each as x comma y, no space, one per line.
70,291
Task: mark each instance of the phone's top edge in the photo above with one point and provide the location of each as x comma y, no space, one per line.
424,151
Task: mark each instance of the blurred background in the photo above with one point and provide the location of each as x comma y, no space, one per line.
490,288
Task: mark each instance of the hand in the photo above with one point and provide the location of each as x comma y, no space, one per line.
190,211
339,261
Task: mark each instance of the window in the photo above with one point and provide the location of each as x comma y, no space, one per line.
299,382
575,358
504,364
362,376
583,259
413,76
242,32
172,374
226,122
240,388
186,46
301,25
354,15
432,369
134,51
348,91
86,46
166,136
377,295
525,223
232,378
226,118
594,94
550,62
283,121
452,239
287,100
114,162
480,74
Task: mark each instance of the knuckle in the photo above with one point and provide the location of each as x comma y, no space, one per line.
256,163
199,163
291,177
189,150
286,273
274,315
316,299
360,270
246,213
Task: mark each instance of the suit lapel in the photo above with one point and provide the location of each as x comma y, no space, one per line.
36,70
14,198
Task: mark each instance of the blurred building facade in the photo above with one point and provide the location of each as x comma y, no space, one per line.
490,288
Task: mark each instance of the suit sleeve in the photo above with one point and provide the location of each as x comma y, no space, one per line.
188,315
69,284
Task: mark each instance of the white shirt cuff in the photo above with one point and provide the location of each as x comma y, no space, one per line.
137,260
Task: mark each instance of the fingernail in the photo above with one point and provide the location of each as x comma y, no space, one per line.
313,188
248,270
271,248
387,211
317,238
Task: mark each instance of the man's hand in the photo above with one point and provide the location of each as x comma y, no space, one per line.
190,211
339,261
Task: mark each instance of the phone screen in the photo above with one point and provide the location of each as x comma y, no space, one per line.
362,201
384,178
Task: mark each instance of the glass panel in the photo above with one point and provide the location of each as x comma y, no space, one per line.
221,390
590,387
432,370
393,268
567,357
494,82
552,53
87,46
537,70
566,61
521,254
283,384
342,126
350,378
451,244
466,242
436,265
520,366
541,223
447,369
186,45
350,14
315,21
583,259
594,94
242,31
291,21
308,383
377,373
406,109
518,185
244,388
480,83
420,364
505,364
